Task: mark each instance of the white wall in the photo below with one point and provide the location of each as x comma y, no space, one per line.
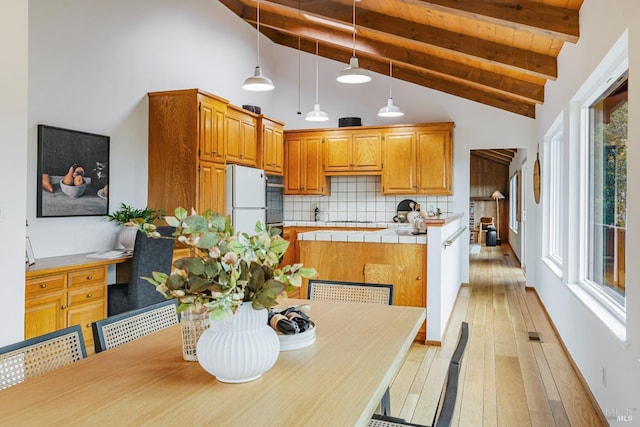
91,66
13,162
443,276
592,345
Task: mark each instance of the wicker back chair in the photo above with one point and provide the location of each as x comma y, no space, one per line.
124,327
330,290
36,356
447,402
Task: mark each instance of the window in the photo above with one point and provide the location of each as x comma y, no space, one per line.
553,196
513,203
607,189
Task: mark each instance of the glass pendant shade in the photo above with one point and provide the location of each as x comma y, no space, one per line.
258,82
353,74
390,110
316,115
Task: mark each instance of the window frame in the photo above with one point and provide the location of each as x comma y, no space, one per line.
613,66
514,202
553,195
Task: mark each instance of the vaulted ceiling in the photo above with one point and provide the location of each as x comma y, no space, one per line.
496,52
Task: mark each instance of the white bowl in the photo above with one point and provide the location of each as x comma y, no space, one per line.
74,191
296,341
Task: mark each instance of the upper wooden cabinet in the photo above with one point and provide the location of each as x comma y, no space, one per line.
211,141
272,143
418,160
303,165
353,152
186,131
241,136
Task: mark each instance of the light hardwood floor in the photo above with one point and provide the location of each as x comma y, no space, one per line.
505,379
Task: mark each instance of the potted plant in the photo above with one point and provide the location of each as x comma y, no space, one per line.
235,278
132,220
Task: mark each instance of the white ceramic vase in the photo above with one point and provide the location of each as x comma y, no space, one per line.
240,350
127,237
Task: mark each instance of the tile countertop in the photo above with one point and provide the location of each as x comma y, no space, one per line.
387,235
391,232
432,222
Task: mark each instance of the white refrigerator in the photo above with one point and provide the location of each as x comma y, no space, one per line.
245,198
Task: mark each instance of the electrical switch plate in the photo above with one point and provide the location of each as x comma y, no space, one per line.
1,211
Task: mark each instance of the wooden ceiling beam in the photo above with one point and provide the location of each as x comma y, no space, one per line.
410,75
528,92
536,18
485,155
534,64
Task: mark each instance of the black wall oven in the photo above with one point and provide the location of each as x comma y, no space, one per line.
275,200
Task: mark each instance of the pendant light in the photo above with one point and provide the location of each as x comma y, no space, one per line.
258,82
353,74
390,110
316,115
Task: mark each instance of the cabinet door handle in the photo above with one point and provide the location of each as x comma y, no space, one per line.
89,277
89,295
63,306
43,285
88,325
419,278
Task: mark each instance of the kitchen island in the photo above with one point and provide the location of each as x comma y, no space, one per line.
414,264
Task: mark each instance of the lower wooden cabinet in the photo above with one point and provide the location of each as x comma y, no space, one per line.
72,295
402,265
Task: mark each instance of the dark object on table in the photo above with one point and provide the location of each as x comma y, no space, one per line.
252,108
290,321
149,255
349,121
491,236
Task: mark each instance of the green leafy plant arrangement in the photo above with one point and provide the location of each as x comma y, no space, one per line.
224,269
131,217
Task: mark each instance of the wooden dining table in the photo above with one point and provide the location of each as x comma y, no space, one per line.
337,381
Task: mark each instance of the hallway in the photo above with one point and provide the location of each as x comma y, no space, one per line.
506,379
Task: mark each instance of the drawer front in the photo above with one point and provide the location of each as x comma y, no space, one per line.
84,315
86,295
45,284
87,276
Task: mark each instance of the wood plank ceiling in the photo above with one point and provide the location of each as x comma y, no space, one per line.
502,156
496,52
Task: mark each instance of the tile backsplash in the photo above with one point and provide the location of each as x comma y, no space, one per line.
357,198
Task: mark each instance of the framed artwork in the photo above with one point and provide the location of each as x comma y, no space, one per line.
73,173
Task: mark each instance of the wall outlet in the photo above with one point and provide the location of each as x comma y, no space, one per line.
604,376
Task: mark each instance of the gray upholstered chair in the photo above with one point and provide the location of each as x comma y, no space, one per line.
149,255
128,326
36,356
447,402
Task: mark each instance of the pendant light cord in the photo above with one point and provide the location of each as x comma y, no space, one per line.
390,77
299,112
316,71
258,30
354,27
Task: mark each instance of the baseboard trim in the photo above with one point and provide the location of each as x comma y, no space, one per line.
594,402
